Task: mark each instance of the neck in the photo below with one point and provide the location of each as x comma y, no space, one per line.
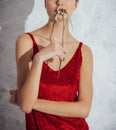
57,30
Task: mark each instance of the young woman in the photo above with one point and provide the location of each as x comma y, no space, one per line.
54,73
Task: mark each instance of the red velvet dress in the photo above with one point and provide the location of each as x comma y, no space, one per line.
63,89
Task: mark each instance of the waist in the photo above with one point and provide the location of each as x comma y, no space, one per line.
45,121
58,92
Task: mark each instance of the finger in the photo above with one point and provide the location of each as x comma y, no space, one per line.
61,54
13,97
61,58
60,47
11,101
14,102
12,91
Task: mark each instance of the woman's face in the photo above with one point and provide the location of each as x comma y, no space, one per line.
53,5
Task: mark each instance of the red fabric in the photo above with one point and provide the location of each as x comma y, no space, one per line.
63,89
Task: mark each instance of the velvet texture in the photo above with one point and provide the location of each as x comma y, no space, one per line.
63,89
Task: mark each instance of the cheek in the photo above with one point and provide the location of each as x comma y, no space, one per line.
70,9
50,8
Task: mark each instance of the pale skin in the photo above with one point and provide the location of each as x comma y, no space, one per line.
29,72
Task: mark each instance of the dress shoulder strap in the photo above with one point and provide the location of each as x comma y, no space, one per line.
32,38
79,52
35,47
80,45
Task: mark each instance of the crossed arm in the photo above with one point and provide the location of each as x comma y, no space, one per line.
79,108
59,108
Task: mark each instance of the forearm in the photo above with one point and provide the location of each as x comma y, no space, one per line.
29,92
61,108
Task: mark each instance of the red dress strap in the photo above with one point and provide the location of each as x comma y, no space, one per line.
80,45
32,37
35,47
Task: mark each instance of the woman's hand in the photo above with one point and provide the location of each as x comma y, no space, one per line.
13,97
50,51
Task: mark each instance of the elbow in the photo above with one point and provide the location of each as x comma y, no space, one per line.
25,109
85,113
84,109
24,106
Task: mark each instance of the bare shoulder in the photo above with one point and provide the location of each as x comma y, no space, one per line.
87,61
87,57
86,51
23,45
24,39
41,37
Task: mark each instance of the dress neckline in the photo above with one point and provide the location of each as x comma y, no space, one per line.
36,49
66,63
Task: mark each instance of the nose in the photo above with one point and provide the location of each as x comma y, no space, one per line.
59,2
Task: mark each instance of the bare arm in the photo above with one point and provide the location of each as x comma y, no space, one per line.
81,107
28,74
